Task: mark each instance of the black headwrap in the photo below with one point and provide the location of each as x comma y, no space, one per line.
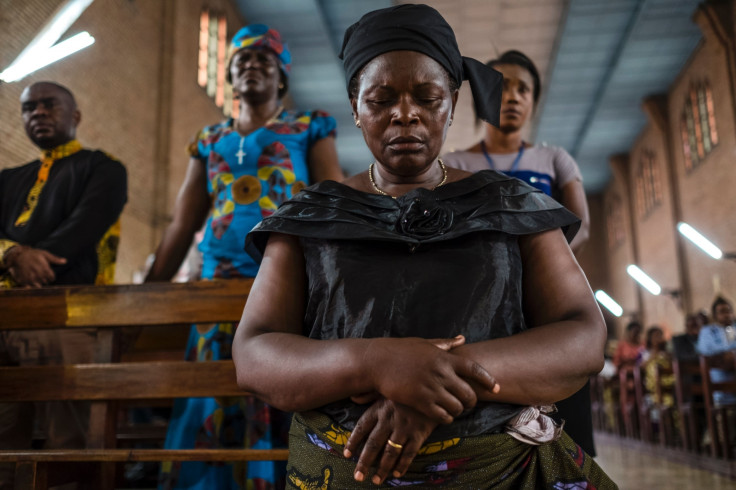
421,28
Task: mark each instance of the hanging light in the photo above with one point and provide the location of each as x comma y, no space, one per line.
643,279
609,303
698,239
41,50
30,64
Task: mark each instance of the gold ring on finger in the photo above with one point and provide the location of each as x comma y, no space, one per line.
394,445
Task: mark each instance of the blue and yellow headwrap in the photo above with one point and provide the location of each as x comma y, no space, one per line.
261,36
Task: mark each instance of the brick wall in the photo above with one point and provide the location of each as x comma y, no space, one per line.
702,197
707,192
137,90
654,234
593,264
623,252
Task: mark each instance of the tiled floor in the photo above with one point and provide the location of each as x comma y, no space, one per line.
633,469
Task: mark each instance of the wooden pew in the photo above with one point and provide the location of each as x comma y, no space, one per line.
610,394
689,402
597,403
716,415
667,413
109,309
643,410
627,401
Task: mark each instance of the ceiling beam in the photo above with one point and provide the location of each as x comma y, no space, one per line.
539,111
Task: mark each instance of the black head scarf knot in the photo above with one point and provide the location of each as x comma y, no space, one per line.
421,28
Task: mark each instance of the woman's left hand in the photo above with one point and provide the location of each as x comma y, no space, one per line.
388,421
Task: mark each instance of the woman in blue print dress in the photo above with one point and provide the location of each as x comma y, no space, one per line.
239,172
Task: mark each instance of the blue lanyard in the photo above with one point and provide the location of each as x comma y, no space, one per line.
514,166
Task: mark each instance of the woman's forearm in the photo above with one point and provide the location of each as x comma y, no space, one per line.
295,373
541,365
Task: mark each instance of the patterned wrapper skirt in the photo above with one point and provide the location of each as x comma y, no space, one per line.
488,461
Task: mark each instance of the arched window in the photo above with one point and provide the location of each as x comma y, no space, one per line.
648,184
615,223
211,66
698,129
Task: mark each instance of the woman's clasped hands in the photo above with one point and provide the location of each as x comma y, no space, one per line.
419,384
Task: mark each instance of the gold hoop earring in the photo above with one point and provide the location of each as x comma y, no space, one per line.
281,86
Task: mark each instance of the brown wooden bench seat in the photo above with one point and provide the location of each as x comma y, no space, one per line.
108,382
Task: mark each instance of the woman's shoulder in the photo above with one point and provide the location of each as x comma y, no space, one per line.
293,114
226,125
551,152
295,121
209,135
213,132
466,160
546,148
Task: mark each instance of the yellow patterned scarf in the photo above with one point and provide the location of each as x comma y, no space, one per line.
48,157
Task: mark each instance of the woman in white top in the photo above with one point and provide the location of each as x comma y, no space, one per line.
548,168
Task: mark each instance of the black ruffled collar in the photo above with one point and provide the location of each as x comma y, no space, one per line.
484,201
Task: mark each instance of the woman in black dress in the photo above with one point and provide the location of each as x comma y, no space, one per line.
419,319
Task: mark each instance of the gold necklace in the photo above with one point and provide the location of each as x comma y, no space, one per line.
384,193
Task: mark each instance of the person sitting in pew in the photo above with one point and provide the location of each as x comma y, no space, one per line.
720,338
629,350
684,346
657,358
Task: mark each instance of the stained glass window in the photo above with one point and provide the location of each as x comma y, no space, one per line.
698,125
648,184
211,64
204,22
686,144
640,202
615,222
711,114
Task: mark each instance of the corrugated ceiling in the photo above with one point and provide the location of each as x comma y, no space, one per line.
599,58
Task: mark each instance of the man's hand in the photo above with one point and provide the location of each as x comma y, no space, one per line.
31,267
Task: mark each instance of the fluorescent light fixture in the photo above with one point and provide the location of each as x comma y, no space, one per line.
59,23
19,70
644,280
703,243
609,303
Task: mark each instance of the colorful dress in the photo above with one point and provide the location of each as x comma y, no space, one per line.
379,267
248,178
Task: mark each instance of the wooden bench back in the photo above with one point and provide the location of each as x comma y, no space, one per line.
720,440
687,380
119,381
122,306
107,309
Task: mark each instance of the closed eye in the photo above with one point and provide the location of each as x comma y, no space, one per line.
379,101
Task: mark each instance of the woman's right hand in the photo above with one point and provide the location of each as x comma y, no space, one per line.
423,375
386,421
